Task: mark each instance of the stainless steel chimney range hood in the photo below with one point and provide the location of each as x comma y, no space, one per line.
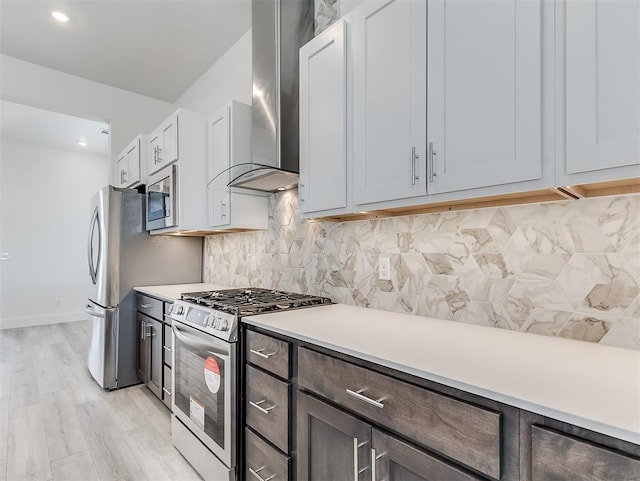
279,29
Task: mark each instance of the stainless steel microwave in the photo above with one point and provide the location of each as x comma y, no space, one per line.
162,199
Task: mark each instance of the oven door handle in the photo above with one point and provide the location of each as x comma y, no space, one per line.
203,341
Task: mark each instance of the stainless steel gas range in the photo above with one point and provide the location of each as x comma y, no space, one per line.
205,372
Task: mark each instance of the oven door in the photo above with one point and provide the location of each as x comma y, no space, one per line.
204,376
162,198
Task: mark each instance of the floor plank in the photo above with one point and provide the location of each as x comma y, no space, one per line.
113,459
62,428
75,467
27,453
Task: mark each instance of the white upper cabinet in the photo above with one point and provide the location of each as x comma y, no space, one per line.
602,88
163,145
129,164
484,97
389,58
323,111
229,145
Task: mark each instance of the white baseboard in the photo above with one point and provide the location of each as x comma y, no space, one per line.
42,320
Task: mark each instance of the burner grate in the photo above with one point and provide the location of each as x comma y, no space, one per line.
247,301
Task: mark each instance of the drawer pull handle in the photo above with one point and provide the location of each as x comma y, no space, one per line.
166,348
146,306
167,391
258,352
358,395
256,472
260,408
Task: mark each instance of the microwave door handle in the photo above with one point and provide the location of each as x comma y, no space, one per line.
198,343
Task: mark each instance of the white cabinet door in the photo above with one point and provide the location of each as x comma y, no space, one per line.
389,99
133,163
121,170
219,161
163,145
484,99
323,104
602,85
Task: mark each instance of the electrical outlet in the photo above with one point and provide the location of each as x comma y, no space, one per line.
254,263
384,269
4,256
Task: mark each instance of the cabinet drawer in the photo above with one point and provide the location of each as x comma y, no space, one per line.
167,387
150,306
461,431
269,353
262,461
560,457
268,407
167,347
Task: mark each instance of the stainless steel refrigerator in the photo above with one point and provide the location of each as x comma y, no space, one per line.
122,255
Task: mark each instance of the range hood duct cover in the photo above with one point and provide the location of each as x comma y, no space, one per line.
279,29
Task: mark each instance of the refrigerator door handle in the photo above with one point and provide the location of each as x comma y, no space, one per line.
93,312
95,221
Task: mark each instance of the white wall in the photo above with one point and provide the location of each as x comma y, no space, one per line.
227,79
44,216
128,113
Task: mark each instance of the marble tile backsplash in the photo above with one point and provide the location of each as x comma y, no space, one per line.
567,268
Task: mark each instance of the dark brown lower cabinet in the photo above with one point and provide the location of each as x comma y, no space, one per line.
558,457
332,445
397,460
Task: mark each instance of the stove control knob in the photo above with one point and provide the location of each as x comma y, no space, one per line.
224,325
209,321
177,310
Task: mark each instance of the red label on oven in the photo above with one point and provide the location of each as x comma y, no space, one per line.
212,374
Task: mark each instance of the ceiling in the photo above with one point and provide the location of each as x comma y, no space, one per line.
31,125
156,48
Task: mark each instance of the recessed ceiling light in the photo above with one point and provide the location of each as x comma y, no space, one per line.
59,16
82,143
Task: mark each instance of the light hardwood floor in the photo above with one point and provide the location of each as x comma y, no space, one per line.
57,424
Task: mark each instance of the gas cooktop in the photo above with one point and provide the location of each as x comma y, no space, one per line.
248,301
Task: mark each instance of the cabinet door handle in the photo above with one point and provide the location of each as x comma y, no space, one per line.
222,206
374,459
167,391
159,152
357,471
166,348
432,154
255,473
258,352
358,395
146,306
414,168
260,408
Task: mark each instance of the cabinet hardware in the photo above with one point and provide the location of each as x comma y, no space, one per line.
167,391
432,154
358,395
258,352
256,472
374,459
222,206
260,408
166,348
357,470
146,306
414,168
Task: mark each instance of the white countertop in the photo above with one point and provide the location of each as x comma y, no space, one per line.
589,385
172,292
